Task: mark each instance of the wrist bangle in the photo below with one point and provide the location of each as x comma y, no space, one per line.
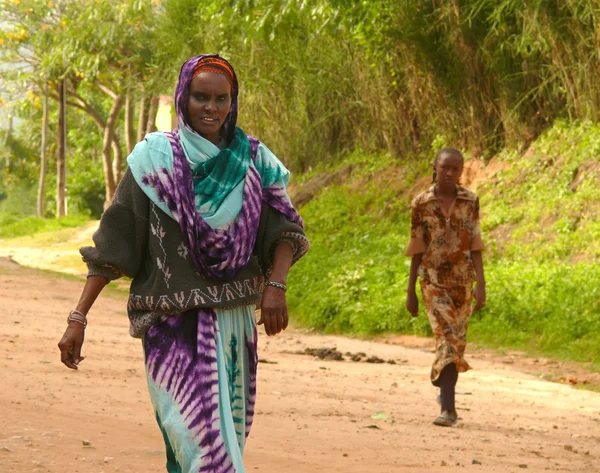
76,316
276,284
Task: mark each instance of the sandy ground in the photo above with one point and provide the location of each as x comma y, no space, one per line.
312,415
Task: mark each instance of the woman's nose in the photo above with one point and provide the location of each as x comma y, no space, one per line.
211,105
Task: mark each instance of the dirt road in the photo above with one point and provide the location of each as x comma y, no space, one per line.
312,415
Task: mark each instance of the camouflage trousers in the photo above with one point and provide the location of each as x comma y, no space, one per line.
448,309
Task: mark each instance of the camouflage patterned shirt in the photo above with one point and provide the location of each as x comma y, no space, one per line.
446,240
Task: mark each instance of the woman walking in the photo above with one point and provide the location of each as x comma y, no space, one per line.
203,226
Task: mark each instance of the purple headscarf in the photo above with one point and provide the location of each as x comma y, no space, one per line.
181,96
216,253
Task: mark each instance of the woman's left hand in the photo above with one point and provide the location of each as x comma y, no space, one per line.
273,310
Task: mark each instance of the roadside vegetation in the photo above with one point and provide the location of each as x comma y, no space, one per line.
355,98
541,225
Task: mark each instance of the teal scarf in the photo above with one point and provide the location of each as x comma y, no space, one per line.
215,177
218,174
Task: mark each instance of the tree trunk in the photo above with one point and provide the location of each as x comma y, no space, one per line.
151,124
129,131
9,137
109,176
142,117
44,146
61,162
81,104
9,130
117,160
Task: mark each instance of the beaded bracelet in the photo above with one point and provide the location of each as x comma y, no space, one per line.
276,284
79,317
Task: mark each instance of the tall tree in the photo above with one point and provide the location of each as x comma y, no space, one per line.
61,162
129,119
152,112
43,158
142,116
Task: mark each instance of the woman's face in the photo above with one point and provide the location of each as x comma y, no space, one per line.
448,168
208,104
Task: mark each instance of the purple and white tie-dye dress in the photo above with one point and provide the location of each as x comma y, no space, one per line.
201,370
201,364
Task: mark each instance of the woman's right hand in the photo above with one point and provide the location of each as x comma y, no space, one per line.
412,303
70,345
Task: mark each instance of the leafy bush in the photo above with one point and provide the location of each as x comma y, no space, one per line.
549,308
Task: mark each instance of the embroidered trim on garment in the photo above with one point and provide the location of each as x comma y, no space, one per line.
159,233
182,250
177,301
140,323
300,240
118,272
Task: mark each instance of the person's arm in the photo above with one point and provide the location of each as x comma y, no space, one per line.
412,302
273,307
416,248
477,247
477,259
71,342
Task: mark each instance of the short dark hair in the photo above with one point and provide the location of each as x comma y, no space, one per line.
448,150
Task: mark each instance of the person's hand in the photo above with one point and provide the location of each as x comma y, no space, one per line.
70,345
479,297
273,310
412,303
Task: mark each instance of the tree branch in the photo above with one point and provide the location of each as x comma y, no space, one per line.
106,90
81,104
91,111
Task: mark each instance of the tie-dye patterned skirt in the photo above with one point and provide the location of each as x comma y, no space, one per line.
201,370
448,310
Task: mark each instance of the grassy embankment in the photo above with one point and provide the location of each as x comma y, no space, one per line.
541,224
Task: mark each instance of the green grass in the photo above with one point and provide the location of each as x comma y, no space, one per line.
12,226
548,308
354,278
550,220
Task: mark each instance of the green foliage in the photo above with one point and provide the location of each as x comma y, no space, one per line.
18,201
86,193
354,278
14,227
321,79
85,181
548,308
546,206
101,51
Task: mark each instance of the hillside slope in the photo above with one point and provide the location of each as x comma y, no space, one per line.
541,224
